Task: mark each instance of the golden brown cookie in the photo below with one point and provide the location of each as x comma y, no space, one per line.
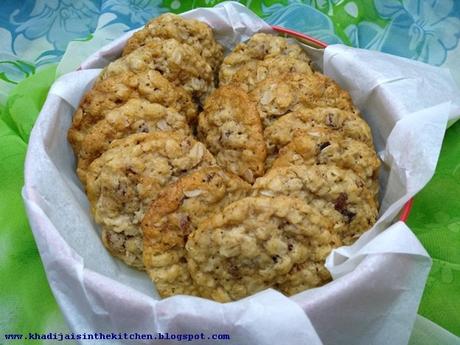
177,62
189,31
350,125
276,96
326,146
135,116
124,180
174,215
338,194
115,91
254,243
255,71
230,127
261,46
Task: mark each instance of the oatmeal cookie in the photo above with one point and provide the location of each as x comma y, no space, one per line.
189,31
174,215
177,62
135,116
277,96
255,71
261,46
126,178
350,125
230,127
338,194
115,91
253,244
325,146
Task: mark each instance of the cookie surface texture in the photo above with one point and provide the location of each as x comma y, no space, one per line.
231,129
113,92
253,244
188,31
135,116
281,131
174,215
338,194
255,71
276,97
177,62
261,46
125,179
325,146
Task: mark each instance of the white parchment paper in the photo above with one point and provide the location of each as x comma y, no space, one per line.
378,281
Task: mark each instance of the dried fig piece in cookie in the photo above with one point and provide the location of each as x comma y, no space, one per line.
278,96
115,91
125,179
350,125
253,244
338,194
174,215
188,31
230,127
135,116
177,62
261,46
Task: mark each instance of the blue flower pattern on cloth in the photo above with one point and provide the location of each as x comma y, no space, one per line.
58,21
304,18
423,30
133,13
37,33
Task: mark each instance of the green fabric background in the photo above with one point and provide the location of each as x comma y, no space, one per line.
435,219
29,300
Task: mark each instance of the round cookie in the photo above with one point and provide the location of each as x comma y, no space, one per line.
338,194
325,146
189,31
177,62
135,116
115,91
126,178
253,244
174,215
350,125
261,46
230,127
276,96
254,71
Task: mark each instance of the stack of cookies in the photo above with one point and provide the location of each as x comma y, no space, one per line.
132,131
223,192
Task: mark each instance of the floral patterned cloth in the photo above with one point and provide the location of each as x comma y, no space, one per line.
37,35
